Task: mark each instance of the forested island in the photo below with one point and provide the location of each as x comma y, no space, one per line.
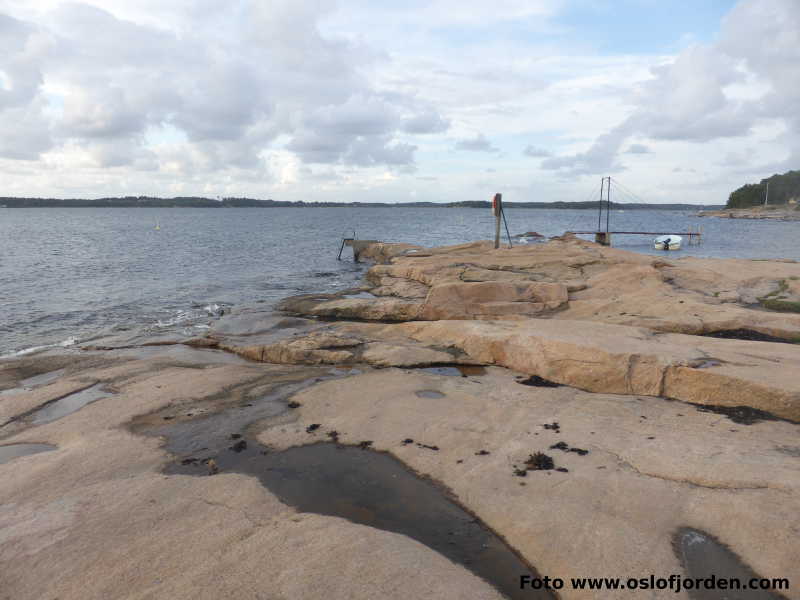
200,202
774,190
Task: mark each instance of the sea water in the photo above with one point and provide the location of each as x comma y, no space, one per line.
71,274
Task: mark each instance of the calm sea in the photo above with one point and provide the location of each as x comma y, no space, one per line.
69,275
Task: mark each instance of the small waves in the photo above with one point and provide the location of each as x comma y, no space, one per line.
70,341
178,319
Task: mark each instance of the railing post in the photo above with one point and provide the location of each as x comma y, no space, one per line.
497,209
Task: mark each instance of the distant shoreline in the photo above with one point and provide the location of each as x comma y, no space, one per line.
780,212
192,202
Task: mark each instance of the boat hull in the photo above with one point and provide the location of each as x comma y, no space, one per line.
668,242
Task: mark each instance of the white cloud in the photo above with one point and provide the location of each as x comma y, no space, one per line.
690,98
637,149
479,143
271,73
535,152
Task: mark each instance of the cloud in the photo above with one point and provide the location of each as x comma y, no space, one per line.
637,149
22,48
535,152
268,73
359,132
477,144
25,131
694,99
601,157
426,122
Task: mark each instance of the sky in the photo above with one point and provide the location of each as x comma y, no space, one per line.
369,100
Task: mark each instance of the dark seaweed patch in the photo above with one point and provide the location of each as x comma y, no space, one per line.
539,461
564,447
744,415
427,447
536,381
239,446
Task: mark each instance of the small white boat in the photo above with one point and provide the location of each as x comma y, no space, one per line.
668,242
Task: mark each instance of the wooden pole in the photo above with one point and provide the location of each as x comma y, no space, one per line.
497,208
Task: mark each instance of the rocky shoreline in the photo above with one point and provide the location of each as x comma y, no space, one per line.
576,410
769,212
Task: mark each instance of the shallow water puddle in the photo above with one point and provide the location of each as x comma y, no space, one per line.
211,432
183,353
32,382
703,556
705,363
748,335
456,370
68,404
375,489
13,451
429,394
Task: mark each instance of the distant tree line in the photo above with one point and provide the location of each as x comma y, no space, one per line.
133,202
782,188
199,202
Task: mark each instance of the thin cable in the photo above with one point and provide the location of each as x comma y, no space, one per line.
631,192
